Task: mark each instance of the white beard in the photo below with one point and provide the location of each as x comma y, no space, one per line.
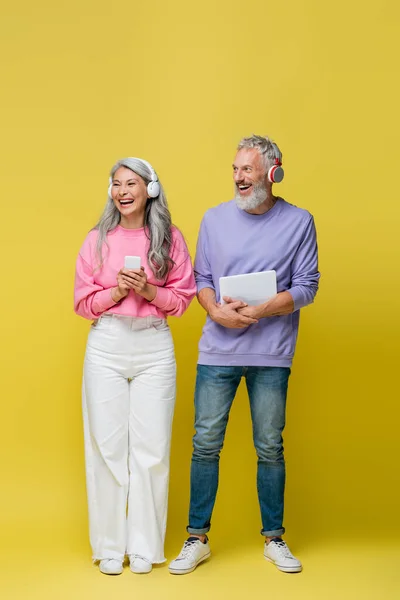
257,197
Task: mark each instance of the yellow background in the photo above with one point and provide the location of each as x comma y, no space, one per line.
179,83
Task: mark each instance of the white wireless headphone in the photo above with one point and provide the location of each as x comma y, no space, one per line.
153,187
276,173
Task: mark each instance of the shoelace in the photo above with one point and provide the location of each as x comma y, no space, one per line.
282,549
134,556
107,560
188,548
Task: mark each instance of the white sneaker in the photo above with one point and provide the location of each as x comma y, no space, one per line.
278,553
138,564
111,566
194,551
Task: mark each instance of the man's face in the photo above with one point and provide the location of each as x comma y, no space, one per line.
250,179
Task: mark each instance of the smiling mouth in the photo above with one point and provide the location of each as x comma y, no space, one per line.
126,202
243,188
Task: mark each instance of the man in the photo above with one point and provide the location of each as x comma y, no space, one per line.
257,231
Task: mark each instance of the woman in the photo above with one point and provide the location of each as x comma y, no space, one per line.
129,369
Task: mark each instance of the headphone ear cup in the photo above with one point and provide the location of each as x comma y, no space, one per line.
276,174
153,189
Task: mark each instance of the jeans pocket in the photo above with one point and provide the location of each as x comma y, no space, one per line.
103,322
160,325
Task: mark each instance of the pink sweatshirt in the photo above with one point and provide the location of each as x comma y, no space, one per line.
93,286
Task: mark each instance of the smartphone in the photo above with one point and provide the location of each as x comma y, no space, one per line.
132,262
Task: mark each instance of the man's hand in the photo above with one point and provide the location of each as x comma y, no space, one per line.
277,306
228,315
253,312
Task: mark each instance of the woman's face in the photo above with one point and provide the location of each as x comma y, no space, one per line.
129,193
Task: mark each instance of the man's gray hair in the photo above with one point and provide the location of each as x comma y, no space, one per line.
265,147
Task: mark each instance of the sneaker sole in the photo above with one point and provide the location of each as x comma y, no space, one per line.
141,572
282,568
185,571
112,574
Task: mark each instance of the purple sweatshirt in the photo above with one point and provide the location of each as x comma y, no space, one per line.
231,242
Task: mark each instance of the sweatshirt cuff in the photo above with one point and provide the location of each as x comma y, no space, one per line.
103,301
162,298
204,284
298,298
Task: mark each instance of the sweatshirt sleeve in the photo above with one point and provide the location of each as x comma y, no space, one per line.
202,268
305,275
90,299
174,297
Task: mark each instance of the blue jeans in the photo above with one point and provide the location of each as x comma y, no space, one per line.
215,390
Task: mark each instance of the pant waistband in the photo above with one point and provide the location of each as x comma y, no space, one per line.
133,322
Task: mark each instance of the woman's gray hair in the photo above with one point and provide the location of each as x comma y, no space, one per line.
157,221
265,147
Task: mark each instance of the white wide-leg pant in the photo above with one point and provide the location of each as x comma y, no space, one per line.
128,404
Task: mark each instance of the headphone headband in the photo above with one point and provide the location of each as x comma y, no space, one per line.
153,188
276,173
277,154
148,165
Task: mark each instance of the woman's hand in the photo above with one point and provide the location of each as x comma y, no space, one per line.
136,280
123,286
